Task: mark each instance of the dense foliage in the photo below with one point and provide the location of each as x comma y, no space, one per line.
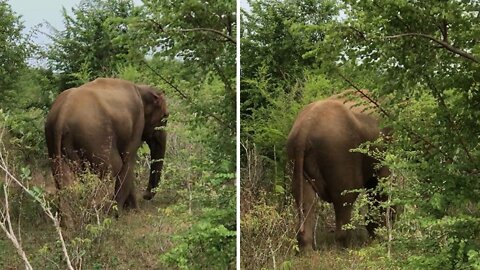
421,59
185,49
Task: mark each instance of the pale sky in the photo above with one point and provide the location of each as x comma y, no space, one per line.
36,12
244,5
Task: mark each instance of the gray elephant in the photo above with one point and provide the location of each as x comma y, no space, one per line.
319,145
102,124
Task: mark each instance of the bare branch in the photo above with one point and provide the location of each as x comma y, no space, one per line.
220,33
43,203
6,226
442,43
199,29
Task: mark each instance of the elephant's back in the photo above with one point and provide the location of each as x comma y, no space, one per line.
323,114
103,111
313,124
330,123
106,98
109,93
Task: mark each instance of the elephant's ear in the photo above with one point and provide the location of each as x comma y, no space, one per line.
160,102
148,94
155,98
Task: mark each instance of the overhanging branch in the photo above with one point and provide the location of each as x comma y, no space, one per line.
440,42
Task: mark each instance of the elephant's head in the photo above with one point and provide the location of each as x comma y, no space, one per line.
154,134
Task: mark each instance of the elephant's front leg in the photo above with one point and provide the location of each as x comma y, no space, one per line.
157,152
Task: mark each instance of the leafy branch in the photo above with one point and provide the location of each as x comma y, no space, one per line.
187,98
389,115
443,43
446,110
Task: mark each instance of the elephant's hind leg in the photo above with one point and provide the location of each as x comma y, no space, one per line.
64,177
305,237
131,200
116,164
343,215
124,187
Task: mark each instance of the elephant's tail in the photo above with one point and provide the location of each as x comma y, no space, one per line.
54,138
298,181
57,155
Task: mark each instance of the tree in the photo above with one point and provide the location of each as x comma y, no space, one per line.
99,31
425,57
191,49
200,35
199,32
421,60
275,37
13,50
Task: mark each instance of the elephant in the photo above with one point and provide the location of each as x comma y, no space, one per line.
319,146
100,125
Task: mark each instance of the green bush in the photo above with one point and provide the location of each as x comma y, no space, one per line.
210,207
